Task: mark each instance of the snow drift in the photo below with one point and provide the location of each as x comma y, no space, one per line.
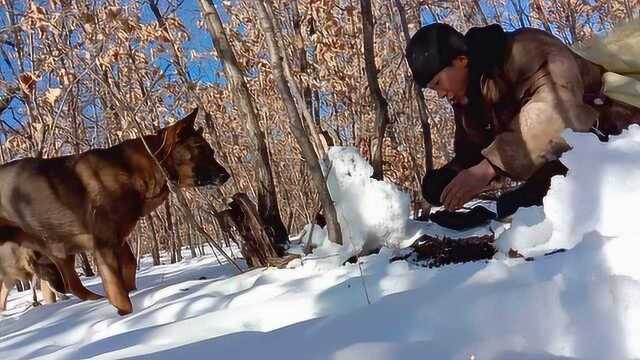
599,195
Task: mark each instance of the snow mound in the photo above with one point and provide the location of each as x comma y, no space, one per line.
600,195
371,213
529,232
601,191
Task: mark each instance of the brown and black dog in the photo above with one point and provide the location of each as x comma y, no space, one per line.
21,263
92,201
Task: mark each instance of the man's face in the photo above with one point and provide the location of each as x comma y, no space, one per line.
452,81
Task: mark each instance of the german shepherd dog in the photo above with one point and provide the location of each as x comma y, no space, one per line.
92,201
21,263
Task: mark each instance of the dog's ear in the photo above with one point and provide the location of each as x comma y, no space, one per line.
186,123
190,119
177,131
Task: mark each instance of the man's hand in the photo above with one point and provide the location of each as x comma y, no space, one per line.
467,184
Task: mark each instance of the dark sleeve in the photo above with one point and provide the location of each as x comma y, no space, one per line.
468,151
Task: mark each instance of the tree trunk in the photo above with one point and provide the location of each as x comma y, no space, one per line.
155,252
520,12
184,75
295,124
422,104
434,14
177,60
86,265
628,9
138,249
308,97
543,16
572,23
34,291
380,103
178,241
190,241
48,296
256,247
266,194
188,215
171,238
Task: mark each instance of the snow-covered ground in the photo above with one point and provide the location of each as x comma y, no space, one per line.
580,304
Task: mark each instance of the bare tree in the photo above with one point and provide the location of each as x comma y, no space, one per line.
380,103
86,265
266,192
155,252
295,122
422,106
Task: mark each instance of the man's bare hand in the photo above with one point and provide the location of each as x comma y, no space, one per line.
467,184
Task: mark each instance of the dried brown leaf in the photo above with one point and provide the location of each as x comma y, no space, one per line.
27,82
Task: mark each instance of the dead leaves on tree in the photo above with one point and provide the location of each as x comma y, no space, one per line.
27,83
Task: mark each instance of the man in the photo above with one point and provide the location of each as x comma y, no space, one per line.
513,94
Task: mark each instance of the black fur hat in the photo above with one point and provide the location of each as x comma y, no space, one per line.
433,48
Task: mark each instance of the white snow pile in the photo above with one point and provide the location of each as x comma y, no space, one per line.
600,194
371,213
583,303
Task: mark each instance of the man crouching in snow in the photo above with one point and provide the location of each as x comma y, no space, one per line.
513,94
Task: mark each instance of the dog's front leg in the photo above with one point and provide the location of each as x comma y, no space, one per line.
112,281
67,267
128,264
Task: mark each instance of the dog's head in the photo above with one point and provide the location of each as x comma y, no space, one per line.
188,157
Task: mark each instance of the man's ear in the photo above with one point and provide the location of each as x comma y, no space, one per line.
461,61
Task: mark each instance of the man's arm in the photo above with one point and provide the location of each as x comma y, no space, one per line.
555,104
467,151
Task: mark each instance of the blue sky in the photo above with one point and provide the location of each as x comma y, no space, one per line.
203,70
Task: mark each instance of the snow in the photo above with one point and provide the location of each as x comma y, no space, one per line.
371,213
580,304
529,233
599,194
